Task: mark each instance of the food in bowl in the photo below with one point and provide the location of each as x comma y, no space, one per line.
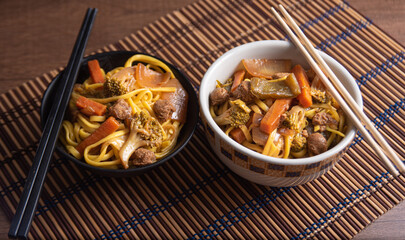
128,117
255,166
277,109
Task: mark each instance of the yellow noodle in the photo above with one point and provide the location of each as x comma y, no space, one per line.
228,130
83,133
93,86
76,131
256,109
149,60
269,143
112,72
330,139
341,125
212,112
246,133
261,105
97,118
86,123
135,108
148,107
299,154
96,161
69,134
287,145
163,89
164,151
223,108
335,131
311,113
133,93
253,146
156,97
72,150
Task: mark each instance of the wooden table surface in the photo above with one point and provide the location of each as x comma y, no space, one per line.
38,36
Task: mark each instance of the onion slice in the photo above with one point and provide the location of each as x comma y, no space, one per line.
266,68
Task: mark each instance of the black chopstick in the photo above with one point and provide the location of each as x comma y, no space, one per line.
28,202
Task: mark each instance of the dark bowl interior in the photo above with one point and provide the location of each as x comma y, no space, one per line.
109,61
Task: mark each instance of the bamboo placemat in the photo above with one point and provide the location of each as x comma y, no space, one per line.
194,195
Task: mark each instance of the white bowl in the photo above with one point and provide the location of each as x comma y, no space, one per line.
252,165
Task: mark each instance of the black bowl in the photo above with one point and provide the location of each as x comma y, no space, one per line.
108,61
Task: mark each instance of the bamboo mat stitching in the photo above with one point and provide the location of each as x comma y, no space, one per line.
388,64
141,218
343,206
383,118
327,43
330,12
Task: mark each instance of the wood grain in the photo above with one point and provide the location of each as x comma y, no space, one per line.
38,36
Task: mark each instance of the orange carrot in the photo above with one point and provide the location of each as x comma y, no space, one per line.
304,98
271,120
237,79
89,107
95,71
106,128
237,135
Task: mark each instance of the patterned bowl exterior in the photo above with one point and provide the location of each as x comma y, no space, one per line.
263,172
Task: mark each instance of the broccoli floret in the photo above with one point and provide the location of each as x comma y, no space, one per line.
236,115
298,143
120,82
113,87
293,121
144,131
227,85
319,96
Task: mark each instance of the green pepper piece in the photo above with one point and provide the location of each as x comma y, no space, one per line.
286,87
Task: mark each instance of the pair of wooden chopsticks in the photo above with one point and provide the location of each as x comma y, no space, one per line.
349,106
27,206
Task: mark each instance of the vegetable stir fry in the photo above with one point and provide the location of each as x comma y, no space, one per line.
277,109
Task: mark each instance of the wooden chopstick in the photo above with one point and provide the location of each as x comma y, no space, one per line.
348,98
354,115
22,219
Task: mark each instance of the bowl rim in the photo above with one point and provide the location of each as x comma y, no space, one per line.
130,171
204,105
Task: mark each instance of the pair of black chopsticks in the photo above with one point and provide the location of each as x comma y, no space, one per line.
27,206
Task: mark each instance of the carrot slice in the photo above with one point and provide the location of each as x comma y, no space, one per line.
89,107
237,79
106,128
146,77
304,98
266,68
237,135
95,71
271,119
